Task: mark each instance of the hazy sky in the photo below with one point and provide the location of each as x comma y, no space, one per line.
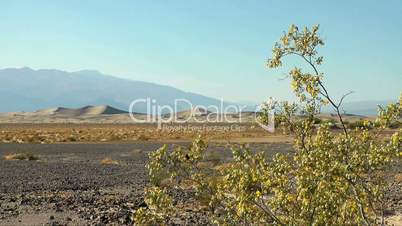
217,48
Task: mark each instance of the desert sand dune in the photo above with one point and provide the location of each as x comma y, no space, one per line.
87,110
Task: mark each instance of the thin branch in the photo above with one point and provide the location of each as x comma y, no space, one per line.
335,106
360,206
269,212
283,78
325,94
343,97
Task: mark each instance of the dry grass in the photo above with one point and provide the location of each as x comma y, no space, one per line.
142,137
109,161
21,156
65,133
222,166
136,152
398,178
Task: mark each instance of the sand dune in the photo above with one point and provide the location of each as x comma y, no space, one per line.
197,111
87,114
108,114
74,112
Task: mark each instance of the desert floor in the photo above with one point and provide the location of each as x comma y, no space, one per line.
69,185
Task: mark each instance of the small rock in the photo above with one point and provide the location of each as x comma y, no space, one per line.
58,210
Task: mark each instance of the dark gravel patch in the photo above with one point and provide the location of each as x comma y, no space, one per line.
73,167
70,186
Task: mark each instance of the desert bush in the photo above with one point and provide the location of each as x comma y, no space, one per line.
142,137
363,124
332,178
331,121
136,152
317,120
109,161
395,125
333,124
21,156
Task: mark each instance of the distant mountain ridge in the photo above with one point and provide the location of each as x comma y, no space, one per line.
25,89
367,108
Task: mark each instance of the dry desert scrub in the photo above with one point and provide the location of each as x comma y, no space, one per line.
21,156
109,161
331,178
66,133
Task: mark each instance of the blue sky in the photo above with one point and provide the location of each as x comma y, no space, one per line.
215,48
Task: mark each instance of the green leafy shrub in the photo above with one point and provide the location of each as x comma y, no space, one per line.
361,124
332,178
317,120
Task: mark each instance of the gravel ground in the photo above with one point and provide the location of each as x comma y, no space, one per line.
70,186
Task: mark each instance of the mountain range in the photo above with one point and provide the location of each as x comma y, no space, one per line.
25,89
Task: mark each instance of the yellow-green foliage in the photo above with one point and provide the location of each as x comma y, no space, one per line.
331,179
160,205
